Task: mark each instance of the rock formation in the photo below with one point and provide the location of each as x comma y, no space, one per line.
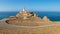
29,23
24,18
45,18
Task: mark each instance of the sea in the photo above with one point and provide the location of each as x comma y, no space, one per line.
52,15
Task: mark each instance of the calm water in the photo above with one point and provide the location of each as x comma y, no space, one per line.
54,16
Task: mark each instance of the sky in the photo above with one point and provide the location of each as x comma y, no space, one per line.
40,5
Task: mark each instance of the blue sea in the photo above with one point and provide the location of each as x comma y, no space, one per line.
53,16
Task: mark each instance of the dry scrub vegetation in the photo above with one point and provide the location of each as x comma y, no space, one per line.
45,30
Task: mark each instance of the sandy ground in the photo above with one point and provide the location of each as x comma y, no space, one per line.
53,28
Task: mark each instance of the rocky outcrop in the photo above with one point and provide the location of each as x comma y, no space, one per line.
24,18
45,18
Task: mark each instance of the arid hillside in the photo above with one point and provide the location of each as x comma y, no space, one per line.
28,23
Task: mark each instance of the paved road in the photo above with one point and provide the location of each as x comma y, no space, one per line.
5,25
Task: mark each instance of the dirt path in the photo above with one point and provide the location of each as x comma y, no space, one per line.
5,25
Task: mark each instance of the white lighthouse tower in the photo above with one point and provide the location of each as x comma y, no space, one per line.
23,10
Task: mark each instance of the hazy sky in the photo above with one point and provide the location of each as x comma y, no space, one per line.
43,5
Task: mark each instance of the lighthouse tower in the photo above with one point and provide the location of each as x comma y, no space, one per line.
23,10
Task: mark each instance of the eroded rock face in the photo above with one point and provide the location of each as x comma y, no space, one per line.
24,18
47,20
